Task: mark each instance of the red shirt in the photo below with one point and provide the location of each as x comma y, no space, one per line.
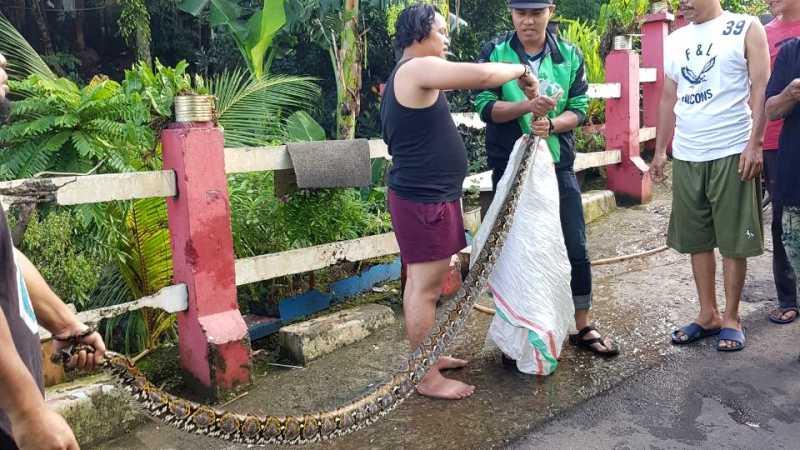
778,32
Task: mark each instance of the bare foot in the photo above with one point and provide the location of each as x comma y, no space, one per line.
448,362
434,385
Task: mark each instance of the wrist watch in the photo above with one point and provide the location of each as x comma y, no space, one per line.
526,72
550,121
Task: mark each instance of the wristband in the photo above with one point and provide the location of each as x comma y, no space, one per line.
527,71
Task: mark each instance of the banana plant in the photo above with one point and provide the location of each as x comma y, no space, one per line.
253,36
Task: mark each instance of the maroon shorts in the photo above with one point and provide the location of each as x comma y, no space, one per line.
427,231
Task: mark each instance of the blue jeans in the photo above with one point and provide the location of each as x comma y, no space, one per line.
785,280
573,227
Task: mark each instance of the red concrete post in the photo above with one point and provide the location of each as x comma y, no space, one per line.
630,179
214,344
655,29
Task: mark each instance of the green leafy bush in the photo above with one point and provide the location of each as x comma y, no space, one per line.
308,218
253,207
589,141
53,243
58,125
586,37
587,10
475,142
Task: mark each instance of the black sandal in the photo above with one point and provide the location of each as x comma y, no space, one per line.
588,344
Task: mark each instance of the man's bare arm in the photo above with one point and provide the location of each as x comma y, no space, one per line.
666,115
34,425
503,111
19,394
54,315
781,105
431,72
665,129
758,62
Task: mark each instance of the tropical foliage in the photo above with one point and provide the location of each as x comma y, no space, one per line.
136,240
253,35
253,111
22,58
586,37
619,17
51,241
58,124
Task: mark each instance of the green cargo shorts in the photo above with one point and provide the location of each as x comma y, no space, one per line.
713,208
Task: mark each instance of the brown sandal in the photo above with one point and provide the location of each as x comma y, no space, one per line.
776,316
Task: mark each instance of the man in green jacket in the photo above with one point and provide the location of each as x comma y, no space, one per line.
508,114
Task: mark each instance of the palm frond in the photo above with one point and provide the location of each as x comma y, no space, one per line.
148,263
22,58
252,111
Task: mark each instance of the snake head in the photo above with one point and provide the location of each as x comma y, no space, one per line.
64,355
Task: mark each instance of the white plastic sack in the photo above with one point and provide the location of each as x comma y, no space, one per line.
531,278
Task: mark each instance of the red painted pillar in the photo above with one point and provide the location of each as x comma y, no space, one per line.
654,32
214,344
630,179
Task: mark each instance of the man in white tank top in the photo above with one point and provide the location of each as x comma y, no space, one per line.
716,71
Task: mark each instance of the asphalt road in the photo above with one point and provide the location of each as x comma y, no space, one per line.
699,398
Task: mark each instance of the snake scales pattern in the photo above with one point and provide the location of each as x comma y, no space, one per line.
321,426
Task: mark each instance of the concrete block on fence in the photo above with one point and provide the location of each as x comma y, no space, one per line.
95,408
597,204
306,341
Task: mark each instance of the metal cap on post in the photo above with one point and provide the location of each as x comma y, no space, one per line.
194,108
623,42
657,7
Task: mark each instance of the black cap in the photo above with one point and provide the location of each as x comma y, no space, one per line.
530,4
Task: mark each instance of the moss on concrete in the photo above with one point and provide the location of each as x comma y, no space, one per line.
102,415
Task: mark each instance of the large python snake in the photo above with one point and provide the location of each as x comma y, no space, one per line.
321,426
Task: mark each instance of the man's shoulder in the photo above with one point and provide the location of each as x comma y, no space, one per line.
730,15
678,34
566,46
791,47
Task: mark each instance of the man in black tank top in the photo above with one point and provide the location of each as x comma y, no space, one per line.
429,166
25,420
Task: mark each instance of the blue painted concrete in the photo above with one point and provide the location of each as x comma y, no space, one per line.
365,281
260,327
315,301
303,305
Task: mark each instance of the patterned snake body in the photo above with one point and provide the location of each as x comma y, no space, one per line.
323,426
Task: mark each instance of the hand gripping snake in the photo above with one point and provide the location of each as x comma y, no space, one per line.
322,426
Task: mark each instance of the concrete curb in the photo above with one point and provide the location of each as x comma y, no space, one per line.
306,341
597,204
95,408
